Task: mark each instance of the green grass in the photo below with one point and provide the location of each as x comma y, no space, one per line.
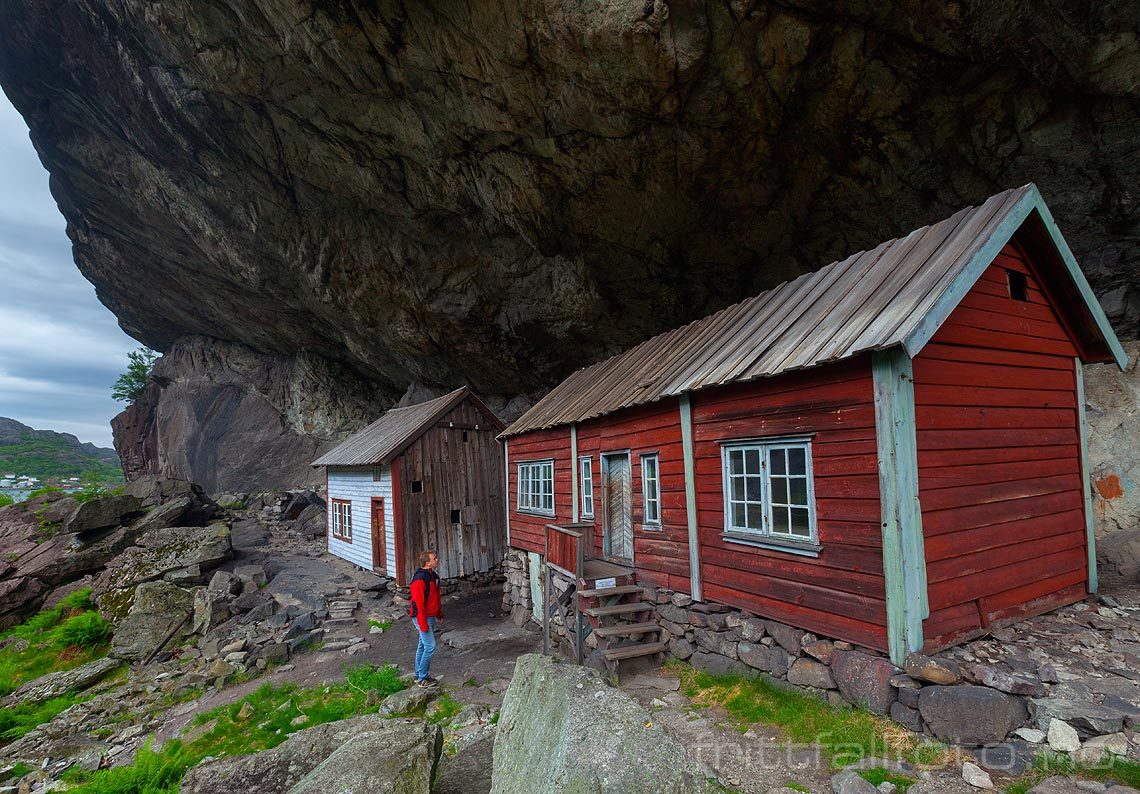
267,722
877,774
1048,764
45,490
236,505
444,709
844,735
6,499
69,635
794,786
383,625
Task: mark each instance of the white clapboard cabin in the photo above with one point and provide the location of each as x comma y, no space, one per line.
428,476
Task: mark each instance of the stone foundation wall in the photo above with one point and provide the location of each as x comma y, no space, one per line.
967,703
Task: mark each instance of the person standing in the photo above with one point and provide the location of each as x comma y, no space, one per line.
425,610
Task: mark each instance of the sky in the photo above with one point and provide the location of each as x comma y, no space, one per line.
60,349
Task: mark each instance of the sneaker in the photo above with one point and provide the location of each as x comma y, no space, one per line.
427,682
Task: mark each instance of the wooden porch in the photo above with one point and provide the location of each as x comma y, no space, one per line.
594,596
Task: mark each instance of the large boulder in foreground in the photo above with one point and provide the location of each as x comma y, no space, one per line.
158,610
564,729
972,716
363,755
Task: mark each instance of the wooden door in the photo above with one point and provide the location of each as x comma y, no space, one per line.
617,495
379,549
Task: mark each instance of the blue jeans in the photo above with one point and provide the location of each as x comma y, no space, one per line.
425,649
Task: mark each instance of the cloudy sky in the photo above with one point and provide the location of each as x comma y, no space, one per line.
60,349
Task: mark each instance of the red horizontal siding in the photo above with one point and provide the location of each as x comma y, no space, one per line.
999,462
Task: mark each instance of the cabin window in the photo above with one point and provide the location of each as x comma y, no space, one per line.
455,519
536,487
464,436
651,489
586,465
768,490
340,512
417,486
377,474
1018,285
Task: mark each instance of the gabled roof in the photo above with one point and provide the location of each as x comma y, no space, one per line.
392,433
897,294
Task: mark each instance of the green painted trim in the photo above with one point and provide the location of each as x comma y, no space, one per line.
1032,201
1082,283
574,471
690,496
904,560
1086,475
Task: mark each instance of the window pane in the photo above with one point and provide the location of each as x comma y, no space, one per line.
779,521
738,516
799,490
755,519
752,461
753,489
736,462
778,464
800,526
738,489
779,491
797,461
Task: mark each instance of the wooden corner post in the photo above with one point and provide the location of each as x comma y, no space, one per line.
1086,475
686,408
904,561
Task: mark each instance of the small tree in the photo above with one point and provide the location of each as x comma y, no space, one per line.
132,382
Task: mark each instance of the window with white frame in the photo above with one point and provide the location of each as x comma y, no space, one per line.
340,511
651,489
768,489
536,487
586,466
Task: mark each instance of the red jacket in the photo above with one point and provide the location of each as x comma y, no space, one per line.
425,597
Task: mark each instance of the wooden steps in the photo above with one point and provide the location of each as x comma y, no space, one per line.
617,609
633,651
605,592
626,629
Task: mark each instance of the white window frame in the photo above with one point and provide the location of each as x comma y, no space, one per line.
646,501
340,516
586,474
526,500
765,532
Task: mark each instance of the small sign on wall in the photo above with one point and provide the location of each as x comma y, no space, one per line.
602,584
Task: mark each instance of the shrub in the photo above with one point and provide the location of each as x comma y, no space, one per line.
6,499
87,630
132,382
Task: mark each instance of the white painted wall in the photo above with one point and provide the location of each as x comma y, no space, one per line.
358,486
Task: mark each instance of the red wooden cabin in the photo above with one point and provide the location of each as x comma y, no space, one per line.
889,450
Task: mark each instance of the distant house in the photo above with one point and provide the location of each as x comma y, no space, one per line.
428,476
889,450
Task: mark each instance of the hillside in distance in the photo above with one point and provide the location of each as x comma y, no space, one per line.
46,454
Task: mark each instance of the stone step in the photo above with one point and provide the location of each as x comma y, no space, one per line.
351,605
624,589
341,614
633,651
342,623
626,629
617,609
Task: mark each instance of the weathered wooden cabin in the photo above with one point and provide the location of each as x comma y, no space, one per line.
428,476
889,450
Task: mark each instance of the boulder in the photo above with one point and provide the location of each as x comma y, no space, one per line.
103,513
181,554
297,504
771,659
970,715
154,491
564,729
1007,682
55,685
1118,553
362,755
181,511
976,776
211,609
1062,737
849,781
1087,716
933,671
406,701
864,680
788,637
805,672
158,608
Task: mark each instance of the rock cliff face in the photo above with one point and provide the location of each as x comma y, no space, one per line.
497,193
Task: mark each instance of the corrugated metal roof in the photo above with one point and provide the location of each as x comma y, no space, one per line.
391,434
871,300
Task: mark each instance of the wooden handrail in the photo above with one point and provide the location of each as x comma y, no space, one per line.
565,550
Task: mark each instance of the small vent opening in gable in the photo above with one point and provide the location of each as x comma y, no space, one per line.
454,516
417,486
465,436
1018,285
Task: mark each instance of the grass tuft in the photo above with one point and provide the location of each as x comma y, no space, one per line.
877,774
